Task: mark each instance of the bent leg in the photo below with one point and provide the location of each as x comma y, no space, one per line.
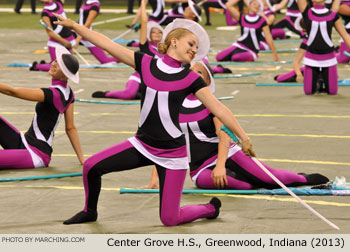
205,181
331,80
242,56
16,159
101,56
171,214
310,79
225,55
10,137
132,86
248,168
46,66
120,157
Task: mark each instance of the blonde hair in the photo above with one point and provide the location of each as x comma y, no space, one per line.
176,33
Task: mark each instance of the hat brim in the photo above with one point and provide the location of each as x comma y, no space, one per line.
191,5
212,82
197,30
60,50
150,26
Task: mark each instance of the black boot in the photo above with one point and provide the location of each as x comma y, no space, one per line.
33,67
217,204
82,217
99,94
315,179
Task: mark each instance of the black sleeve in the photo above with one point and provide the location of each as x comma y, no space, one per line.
264,23
336,17
198,84
303,46
44,14
144,47
48,95
138,60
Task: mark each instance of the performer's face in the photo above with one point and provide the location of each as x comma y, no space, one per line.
254,6
200,69
55,71
156,35
188,14
186,47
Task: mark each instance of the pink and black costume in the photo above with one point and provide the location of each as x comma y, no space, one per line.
292,14
165,83
320,57
247,47
33,149
48,10
242,173
100,55
158,14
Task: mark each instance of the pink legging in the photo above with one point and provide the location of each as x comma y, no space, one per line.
234,53
131,88
101,56
124,156
14,155
171,214
15,159
288,77
341,57
229,19
278,33
46,67
330,77
251,175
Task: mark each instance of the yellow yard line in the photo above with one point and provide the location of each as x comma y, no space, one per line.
254,197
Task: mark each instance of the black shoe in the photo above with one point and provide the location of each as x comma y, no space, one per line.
315,179
131,12
42,62
130,43
99,94
82,217
224,69
34,12
217,204
208,24
17,11
33,67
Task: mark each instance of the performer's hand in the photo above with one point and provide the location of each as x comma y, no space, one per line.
247,148
300,78
66,22
219,177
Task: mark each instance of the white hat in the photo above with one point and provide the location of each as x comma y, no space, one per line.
297,24
68,63
191,4
196,29
212,82
150,26
261,5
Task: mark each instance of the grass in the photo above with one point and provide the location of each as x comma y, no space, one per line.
29,21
